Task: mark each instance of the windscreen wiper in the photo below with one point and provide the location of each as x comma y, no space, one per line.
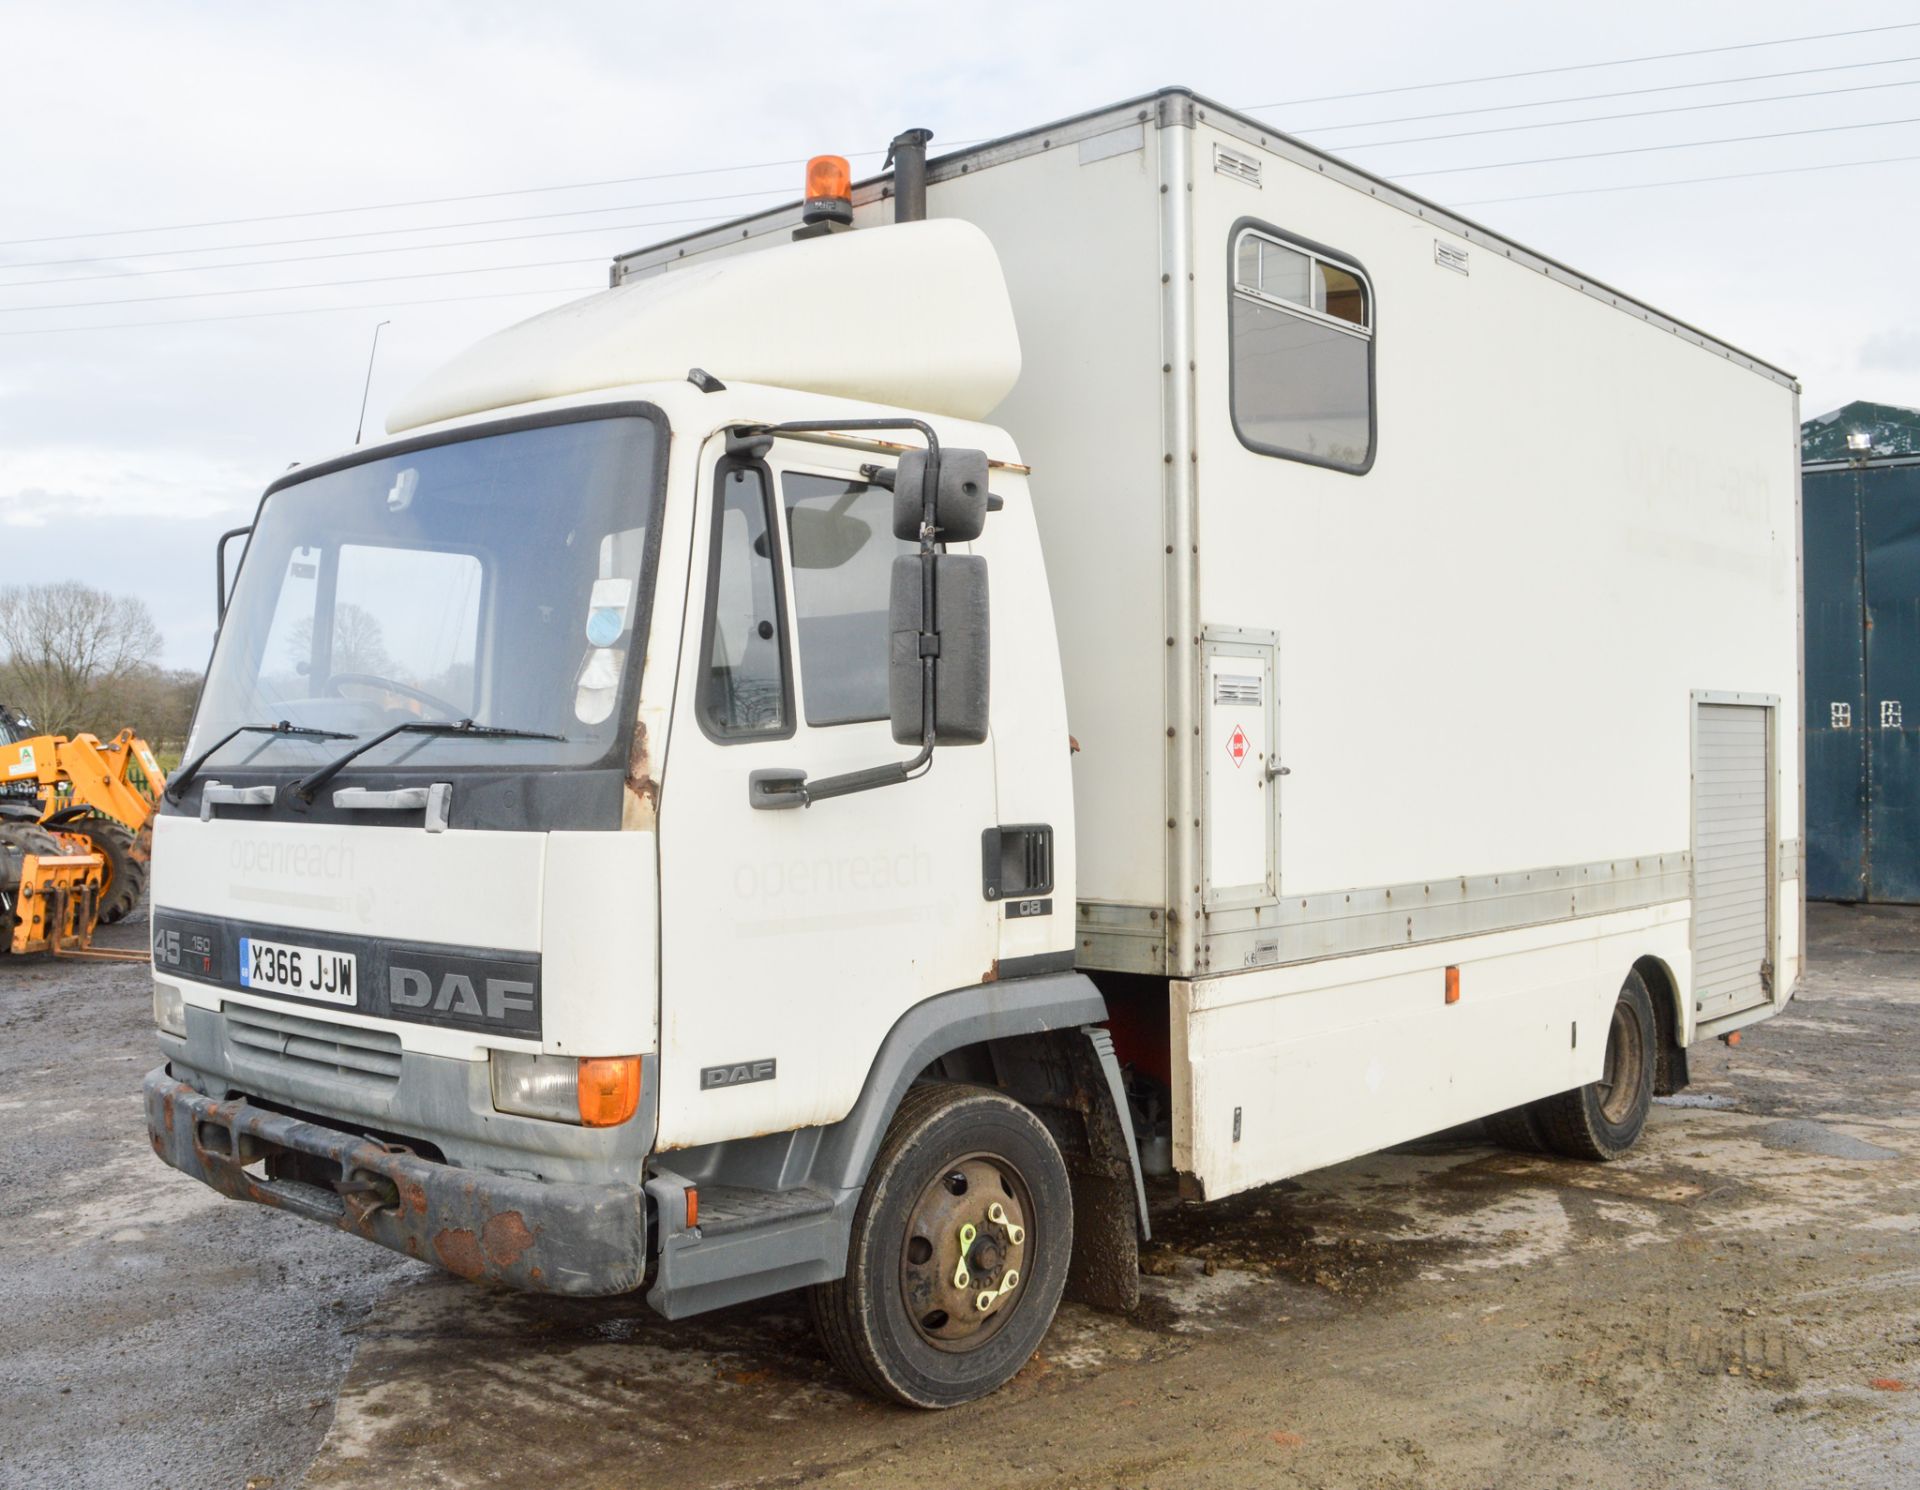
186,773
308,786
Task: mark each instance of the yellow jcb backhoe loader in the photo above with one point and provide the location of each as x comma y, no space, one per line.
75,829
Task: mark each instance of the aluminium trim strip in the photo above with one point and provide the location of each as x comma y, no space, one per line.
1343,923
1180,582
1181,106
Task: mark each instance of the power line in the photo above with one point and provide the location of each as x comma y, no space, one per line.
436,227
1541,72
476,196
357,253
584,289
1685,108
1541,103
1582,191
311,310
863,154
1548,160
553,263
719,170
782,191
323,284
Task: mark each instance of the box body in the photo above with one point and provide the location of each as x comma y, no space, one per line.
1342,728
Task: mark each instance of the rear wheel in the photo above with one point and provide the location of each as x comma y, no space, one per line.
1604,1118
959,1251
123,878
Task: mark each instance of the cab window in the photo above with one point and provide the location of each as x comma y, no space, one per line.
841,546
744,688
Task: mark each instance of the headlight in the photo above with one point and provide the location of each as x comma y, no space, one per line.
169,1009
542,1086
598,1093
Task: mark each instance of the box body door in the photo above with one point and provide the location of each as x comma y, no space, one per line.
1733,857
1240,830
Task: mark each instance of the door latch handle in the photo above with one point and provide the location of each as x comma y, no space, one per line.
1276,769
774,788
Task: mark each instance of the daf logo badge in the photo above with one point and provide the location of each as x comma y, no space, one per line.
738,1074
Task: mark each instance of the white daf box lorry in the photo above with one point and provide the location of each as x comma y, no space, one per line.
1135,638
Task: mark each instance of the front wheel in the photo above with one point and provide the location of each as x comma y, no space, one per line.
1604,1118
959,1251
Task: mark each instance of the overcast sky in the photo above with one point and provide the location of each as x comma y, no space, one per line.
124,450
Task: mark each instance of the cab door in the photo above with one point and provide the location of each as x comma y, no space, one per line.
792,940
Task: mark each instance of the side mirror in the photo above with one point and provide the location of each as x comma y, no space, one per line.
960,505
956,639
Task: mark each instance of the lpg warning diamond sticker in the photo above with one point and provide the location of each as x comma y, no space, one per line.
1238,745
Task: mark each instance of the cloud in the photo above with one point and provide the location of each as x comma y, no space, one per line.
122,452
55,483
1893,350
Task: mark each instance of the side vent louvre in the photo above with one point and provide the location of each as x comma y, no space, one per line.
1016,860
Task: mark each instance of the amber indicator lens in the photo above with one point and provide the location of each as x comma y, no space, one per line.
609,1090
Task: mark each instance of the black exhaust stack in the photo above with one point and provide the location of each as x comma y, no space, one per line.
908,157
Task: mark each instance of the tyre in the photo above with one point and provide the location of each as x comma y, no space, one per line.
1518,1129
123,879
959,1251
1604,1118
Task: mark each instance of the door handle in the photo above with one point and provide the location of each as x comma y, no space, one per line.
1274,769
775,788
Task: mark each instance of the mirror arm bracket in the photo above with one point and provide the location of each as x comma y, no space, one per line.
792,789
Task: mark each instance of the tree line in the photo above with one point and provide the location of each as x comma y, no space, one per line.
74,659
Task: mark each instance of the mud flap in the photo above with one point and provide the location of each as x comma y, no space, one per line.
1109,1195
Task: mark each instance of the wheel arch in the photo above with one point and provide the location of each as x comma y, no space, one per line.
1670,1018
1070,1078
1037,1038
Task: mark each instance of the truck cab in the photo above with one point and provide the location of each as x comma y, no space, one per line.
588,837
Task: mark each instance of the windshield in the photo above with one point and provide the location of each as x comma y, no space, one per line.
499,578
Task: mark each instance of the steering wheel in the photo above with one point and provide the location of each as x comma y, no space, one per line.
394,685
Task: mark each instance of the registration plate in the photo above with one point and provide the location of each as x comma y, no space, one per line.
302,972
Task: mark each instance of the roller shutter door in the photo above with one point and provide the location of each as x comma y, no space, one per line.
1732,862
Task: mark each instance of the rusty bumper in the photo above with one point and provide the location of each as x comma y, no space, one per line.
533,1235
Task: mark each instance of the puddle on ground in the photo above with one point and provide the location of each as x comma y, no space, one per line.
1355,1251
1801,1136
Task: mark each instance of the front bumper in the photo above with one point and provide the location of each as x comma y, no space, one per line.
537,1235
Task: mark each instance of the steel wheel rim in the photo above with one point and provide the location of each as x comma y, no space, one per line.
1619,1086
945,1314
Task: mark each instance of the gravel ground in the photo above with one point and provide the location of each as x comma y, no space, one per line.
155,1335
1736,1305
